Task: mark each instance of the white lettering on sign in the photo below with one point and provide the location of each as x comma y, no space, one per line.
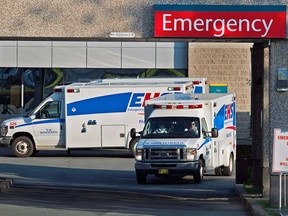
218,26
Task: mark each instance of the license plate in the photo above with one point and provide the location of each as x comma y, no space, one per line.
163,171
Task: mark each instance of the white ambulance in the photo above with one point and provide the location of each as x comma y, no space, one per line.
187,134
85,115
199,84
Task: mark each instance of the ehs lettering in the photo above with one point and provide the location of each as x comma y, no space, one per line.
229,111
138,99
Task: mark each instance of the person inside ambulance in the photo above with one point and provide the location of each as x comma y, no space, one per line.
44,113
193,129
161,129
49,110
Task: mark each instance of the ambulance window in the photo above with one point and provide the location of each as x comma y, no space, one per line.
50,110
204,127
147,129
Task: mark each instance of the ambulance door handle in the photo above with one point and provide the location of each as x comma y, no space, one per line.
61,127
122,135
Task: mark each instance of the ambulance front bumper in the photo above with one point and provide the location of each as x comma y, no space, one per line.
183,168
5,141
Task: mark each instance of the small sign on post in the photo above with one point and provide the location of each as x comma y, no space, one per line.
280,151
280,162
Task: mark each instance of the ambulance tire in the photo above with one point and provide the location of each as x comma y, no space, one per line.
23,147
141,177
218,171
198,177
132,145
35,152
228,170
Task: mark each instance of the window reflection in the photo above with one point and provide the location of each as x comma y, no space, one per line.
10,94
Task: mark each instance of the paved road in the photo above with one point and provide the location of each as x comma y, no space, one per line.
86,182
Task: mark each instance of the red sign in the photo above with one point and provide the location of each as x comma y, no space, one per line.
200,21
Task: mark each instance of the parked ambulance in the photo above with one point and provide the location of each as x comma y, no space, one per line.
199,84
85,116
187,134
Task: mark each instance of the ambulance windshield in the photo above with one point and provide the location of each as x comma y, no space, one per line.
172,127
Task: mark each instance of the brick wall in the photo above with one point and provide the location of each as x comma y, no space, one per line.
228,63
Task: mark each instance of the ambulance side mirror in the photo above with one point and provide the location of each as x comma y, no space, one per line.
133,133
214,132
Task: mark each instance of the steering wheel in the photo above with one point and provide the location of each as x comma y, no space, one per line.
45,114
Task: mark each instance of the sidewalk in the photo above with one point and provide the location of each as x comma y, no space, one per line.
250,201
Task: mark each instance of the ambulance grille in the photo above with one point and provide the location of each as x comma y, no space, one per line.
164,154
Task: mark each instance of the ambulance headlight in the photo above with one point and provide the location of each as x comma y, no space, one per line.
4,130
191,154
139,154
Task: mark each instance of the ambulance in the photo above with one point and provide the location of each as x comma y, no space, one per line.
96,114
199,84
187,134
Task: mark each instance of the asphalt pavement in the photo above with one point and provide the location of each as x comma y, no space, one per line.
27,192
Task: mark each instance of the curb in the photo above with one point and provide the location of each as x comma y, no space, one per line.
5,184
250,201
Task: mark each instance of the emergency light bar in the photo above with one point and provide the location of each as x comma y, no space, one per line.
188,87
174,88
177,106
57,90
73,90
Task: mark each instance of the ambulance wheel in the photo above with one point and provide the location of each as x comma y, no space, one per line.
218,171
132,145
141,177
228,170
23,147
198,177
35,152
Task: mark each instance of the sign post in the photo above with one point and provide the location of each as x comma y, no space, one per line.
280,160
280,151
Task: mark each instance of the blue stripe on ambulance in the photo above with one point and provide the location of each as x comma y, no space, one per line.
234,113
219,118
205,142
46,121
115,103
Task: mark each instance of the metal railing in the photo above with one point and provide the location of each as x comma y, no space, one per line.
284,192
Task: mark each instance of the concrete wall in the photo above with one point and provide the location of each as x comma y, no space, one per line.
278,105
90,18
